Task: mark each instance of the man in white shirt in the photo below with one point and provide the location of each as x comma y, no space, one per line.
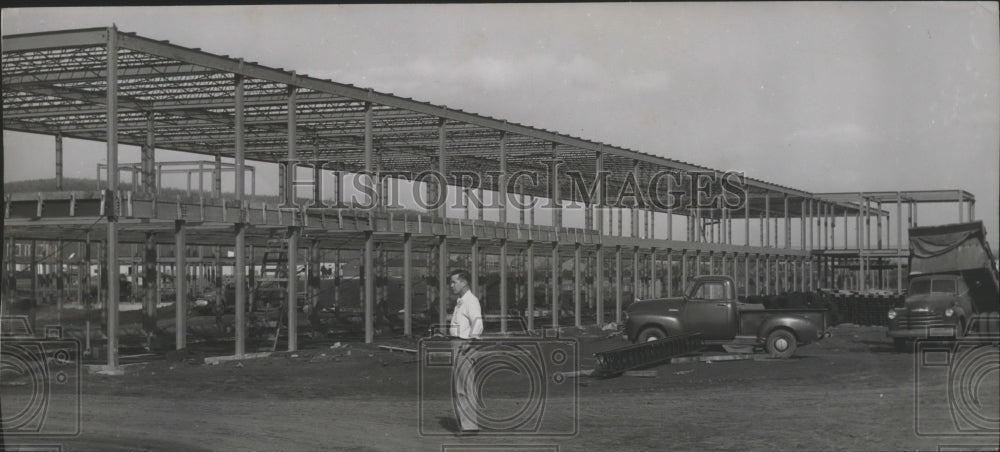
466,324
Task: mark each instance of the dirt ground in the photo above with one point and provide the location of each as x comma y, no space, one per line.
849,392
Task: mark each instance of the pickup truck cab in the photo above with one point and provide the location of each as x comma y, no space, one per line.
710,308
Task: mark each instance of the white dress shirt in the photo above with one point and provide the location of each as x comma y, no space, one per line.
467,319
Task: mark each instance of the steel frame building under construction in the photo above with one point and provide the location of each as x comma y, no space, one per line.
163,96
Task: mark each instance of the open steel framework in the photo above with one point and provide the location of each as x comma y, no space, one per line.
68,83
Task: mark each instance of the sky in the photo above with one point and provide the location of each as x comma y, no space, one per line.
822,97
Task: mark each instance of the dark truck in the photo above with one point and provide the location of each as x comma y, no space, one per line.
710,307
953,279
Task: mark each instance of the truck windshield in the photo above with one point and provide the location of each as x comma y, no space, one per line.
932,285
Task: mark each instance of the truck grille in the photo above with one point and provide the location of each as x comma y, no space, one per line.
911,320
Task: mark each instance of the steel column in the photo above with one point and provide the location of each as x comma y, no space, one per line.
112,304
180,284
555,267
530,269
289,182
746,221
474,266
618,285
369,287
684,270
652,273
503,285
407,285
599,283
577,302
59,161
670,274
292,292
443,263
240,266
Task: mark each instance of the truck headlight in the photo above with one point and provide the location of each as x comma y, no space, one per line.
892,314
949,312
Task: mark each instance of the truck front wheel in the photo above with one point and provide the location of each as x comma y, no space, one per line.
650,334
781,343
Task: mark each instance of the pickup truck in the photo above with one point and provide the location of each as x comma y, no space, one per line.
953,282
710,307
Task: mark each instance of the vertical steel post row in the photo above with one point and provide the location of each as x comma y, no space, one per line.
577,282
180,284
239,270
112,257
530,269
618,284
407,285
